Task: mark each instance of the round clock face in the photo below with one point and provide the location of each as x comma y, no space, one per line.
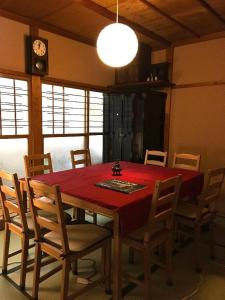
39,47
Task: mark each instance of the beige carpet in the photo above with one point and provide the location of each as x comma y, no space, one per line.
209,285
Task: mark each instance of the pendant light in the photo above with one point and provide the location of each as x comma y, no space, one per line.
117,44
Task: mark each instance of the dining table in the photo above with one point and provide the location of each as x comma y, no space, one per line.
80,188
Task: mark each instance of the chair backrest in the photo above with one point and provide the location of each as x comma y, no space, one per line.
151,154
12,203
80,157
56,222
163,205
37,164
211,190
186,161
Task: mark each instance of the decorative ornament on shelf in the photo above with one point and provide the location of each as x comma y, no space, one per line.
116,169
117,44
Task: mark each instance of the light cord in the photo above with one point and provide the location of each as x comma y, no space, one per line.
117,11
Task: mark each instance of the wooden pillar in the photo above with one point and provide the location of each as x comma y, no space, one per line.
169,54
36,144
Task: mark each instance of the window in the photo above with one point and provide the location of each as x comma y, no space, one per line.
13,107
69,117
63,110
95,112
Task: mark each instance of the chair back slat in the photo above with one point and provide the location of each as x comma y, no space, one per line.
48,224
44,206
211,191
11,200
157,154
7,190
186,161
37,164
77,160
36,190
12,207
163,205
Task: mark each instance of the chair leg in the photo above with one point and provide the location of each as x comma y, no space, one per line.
74,265
197,235
168,259
24,256
147,274
131,255
95,221
6,249
107,266
74,213
65,279
37,267
211,236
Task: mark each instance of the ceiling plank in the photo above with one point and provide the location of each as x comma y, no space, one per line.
54,11
212,11
47,27
112,16
175,21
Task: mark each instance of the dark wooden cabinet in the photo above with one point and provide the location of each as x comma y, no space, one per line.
133,123
138,70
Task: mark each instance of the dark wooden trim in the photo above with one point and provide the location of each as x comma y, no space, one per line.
199,84
47,27
18,136
74,84
64,135
209,8
175,21
112,16
14,74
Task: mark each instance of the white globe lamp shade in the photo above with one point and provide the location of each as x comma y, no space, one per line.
117,45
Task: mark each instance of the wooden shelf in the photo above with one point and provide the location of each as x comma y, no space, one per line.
140,86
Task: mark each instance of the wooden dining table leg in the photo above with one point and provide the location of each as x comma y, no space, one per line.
117,260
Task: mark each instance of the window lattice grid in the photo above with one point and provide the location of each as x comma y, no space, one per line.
63,110
13,107
95,112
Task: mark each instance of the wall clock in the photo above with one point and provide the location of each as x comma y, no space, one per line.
36,55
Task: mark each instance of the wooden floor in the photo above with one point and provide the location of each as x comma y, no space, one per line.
210,284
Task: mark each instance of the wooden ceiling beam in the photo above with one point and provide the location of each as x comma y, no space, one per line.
112,16
175,21
212,11
47,27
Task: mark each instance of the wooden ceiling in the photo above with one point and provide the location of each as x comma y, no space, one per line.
159,23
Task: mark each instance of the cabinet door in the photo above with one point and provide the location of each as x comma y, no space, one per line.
154,117
118,116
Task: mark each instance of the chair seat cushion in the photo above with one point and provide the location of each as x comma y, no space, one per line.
189,210
80,236
30,223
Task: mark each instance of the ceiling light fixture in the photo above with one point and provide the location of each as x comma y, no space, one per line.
117,44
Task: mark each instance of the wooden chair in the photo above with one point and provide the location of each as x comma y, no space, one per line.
40,164
16,221
156,154
82,157
157,232
186,161
196,215
64,243
76,160
37,164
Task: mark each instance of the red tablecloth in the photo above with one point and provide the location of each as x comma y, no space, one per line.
132,208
